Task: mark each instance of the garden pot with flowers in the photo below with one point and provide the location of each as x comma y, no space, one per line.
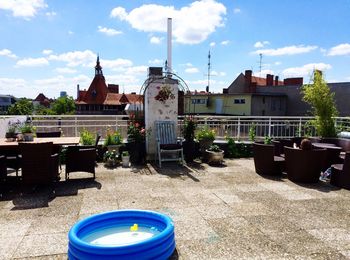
205,137
136,142
214,154
113,141
28,132
111,159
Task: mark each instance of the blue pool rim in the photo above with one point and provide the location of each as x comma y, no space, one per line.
160,246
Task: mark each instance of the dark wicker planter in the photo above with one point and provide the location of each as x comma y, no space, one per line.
137,152
189,150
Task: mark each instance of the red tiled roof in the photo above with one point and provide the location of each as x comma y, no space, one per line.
41,98
262,81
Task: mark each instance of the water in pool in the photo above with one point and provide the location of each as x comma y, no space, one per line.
120,236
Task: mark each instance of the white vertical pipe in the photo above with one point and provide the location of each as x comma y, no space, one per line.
169,59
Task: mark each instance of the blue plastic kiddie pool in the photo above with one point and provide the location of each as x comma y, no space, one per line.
122,234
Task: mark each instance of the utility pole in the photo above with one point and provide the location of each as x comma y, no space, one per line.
207,89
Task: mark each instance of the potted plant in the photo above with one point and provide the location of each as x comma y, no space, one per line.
11,132
125,159
215,154
87,138
111,158
113,141
189,145
28,132
205,137
136,141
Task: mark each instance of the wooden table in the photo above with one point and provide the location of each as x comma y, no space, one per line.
54,140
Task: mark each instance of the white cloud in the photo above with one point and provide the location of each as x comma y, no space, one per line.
6,82
75,58
65,70
32,62
156,61
191,70
50,14
140,70
192,24
23,8
215,73
225,42
212,44
108,31
236,11
8,53
47,52
341,49
288,50
277,63
260,44
305,70
70,32
119,12
117,64
263,73
156,40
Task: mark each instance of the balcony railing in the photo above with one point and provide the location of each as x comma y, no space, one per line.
235,126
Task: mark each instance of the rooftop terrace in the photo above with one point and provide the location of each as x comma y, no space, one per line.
226,212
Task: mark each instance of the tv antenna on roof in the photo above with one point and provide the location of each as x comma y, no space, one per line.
260,63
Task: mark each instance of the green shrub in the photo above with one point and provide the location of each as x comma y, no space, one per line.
87,138
205,134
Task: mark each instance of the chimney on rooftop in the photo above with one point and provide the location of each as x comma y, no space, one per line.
276,81
78,90
269,80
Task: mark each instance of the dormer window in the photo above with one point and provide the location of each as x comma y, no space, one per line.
94,93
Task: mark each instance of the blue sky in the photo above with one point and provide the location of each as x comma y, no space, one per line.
51,45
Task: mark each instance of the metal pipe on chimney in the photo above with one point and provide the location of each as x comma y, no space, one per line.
169,59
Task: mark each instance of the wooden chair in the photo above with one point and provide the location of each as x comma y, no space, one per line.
169,147
80,159
3,169
340,176
265,161
304,165
39,165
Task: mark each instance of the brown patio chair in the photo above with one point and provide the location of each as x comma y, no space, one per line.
39,165
304,165
340,176
80,159
265,161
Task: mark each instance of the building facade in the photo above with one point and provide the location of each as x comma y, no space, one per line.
103,99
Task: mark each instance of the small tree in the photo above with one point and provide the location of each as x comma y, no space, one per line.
321,99
21,107
63,106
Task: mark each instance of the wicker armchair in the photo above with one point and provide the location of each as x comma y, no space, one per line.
39,165
80,159
340,176
265,161
304,165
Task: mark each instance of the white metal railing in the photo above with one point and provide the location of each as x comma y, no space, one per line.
234,126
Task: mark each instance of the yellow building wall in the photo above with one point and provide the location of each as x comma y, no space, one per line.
228,104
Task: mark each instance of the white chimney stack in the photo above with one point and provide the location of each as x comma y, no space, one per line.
169,60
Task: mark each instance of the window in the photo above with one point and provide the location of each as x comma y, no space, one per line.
239,101
198,101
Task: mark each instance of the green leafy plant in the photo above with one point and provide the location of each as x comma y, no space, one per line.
321,99
267,140
189,128
232,149
214,148
113,138
86,138
125,153
205,134
27,129
252,132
